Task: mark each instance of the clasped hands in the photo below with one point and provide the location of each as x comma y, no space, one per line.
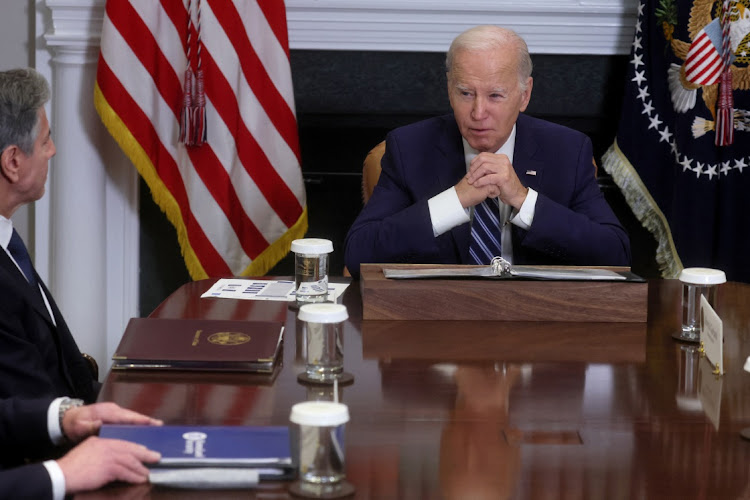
491,175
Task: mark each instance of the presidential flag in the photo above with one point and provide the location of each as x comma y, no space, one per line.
198,94
682,150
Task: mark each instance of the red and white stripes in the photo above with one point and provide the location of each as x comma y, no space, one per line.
725,106
238,199
703,64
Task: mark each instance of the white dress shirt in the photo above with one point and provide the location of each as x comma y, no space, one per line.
56,436
446,211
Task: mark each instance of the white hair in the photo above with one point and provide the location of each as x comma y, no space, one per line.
489,37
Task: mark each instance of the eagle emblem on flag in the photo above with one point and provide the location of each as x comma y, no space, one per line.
720,43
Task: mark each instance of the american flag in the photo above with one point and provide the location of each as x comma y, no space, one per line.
238,200
705,61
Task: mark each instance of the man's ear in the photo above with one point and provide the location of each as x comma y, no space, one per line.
527,94
10,163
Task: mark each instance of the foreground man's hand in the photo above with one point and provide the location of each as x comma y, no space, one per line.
96,462
86,420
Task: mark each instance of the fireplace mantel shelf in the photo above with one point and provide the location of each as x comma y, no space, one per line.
592,27
549,27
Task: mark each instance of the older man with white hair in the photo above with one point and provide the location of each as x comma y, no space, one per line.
487,180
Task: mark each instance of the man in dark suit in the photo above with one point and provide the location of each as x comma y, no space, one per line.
32,428
437,173
38,355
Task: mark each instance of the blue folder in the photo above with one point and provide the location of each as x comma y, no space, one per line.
264,448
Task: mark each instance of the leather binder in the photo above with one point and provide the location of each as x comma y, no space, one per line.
199,344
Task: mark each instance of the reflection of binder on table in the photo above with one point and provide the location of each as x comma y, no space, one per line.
511,341
199,344
212,452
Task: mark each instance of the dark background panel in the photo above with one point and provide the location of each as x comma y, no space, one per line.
347,101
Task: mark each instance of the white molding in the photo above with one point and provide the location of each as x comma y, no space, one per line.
123,244
549,27
75,22
42,208
69,32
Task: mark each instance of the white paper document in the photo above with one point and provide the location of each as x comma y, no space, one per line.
712,335
238,288
548,273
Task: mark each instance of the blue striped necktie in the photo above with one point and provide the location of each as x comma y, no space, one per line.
485,232
18,250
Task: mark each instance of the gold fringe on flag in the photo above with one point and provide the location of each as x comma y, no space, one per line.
616,164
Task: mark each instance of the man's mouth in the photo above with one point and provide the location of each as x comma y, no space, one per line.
480,131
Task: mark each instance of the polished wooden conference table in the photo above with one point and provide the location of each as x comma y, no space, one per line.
489,410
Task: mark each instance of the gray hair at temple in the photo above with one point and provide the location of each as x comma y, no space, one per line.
23,92
489,37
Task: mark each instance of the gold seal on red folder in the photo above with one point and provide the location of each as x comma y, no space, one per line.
229,338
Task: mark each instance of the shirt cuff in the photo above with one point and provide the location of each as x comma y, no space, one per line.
58,479
446,212
53,422
525,216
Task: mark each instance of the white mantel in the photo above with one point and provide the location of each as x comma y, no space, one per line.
548,26
86,227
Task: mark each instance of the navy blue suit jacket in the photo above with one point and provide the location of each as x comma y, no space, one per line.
23,432
573,224
37,358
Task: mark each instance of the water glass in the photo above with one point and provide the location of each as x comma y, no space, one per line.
697,282
311,264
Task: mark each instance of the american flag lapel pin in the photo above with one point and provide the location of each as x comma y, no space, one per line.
531,172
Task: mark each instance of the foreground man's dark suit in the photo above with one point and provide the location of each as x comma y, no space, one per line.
23,430
573,224
37,358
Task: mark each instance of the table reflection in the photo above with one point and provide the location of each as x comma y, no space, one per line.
494,410
477,459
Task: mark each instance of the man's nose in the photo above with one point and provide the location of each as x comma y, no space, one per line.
478,109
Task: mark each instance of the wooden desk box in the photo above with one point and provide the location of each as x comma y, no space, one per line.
499,300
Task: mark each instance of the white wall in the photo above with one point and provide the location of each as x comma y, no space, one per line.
16,39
